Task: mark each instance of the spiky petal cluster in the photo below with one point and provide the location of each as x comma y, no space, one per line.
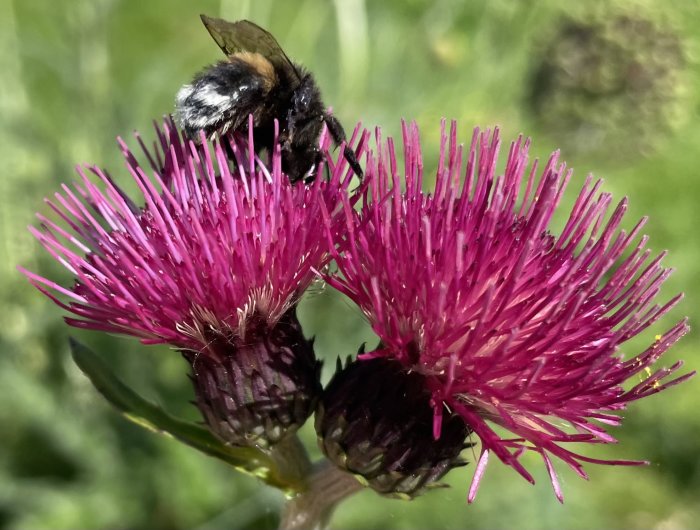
511,326
217,245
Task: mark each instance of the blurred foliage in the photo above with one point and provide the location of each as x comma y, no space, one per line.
613,83
75,74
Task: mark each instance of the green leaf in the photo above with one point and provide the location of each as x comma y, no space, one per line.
144,413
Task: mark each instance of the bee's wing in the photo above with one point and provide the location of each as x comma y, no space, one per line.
245,36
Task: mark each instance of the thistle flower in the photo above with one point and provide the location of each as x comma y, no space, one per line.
511,327
213,264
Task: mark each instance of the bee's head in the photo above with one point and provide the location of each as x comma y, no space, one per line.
306,100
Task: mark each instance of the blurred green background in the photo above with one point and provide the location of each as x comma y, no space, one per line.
617,89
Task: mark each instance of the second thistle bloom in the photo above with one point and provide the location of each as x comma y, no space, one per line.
508,325
213,264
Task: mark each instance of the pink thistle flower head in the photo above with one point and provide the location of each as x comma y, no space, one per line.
512,327
213,264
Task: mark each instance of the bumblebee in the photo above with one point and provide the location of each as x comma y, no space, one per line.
258,78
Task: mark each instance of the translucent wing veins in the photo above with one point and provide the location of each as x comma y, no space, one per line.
245,36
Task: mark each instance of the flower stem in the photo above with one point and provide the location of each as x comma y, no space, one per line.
311,510
291,462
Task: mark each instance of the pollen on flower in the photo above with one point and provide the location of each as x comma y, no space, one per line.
511,325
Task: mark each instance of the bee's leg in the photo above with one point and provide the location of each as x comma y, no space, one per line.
288,133
338,134
313,171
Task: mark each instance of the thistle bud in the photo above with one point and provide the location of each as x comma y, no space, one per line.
375,420
257,391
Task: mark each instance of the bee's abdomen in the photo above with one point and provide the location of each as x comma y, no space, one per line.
221,97
258,64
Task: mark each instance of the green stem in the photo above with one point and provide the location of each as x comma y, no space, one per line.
291,462
311,510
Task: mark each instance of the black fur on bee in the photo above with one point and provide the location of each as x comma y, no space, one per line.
258,79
